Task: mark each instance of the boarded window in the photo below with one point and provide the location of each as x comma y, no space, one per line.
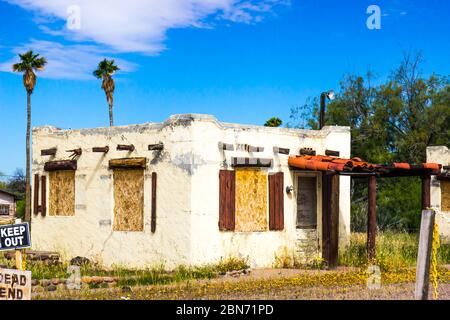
227,200
276,201
62,193
306,202
128,200
445,195
251,200
4,209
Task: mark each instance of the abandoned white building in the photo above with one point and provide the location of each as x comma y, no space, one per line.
7,206
440,189
190,190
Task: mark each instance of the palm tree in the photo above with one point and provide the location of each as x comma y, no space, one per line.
29,62
105,70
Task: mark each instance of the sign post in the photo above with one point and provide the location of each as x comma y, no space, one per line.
16,237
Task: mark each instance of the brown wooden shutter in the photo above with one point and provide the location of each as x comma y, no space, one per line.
227,190
153,223
36,195
44,196
276,201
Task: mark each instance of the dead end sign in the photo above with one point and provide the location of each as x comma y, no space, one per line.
15,285
15,236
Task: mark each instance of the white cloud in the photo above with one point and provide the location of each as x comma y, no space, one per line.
67,61
124,26
141,25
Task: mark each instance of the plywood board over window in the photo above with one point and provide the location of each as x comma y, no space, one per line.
445,195
128,200
62,193
251,200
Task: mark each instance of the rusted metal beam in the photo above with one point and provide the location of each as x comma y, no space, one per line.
48,152
426,185
250,162
125,147
101,149
332,153
372,217
307,152
60,165
226,146
281,150
156,147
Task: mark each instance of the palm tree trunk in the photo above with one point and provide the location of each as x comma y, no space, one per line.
27,177
110,114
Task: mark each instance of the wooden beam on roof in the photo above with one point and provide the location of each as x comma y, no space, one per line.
128,163
250,162
48,152
60,165
125,147
307,152
332,153
281,150
156,147
226,146
101,149
254,149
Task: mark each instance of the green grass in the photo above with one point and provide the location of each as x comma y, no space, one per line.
132,277
394,251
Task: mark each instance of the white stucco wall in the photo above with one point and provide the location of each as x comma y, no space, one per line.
187,193
439,154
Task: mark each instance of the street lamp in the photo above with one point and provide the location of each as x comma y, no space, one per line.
330,96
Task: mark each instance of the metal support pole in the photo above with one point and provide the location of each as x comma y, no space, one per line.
322,110
426,185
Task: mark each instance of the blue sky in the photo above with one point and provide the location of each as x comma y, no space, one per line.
242,61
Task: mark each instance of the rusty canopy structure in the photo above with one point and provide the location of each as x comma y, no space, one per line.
332,167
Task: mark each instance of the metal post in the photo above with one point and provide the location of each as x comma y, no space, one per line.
372,217
424,254
322,110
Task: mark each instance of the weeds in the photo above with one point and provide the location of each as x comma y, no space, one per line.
395,251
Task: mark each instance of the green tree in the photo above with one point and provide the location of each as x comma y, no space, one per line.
273,122
105,70
391,122
29,63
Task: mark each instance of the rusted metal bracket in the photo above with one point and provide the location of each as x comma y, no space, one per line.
75,153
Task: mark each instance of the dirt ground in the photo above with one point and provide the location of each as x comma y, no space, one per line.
262,284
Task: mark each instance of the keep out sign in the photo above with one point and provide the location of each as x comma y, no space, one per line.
15,285
15,236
